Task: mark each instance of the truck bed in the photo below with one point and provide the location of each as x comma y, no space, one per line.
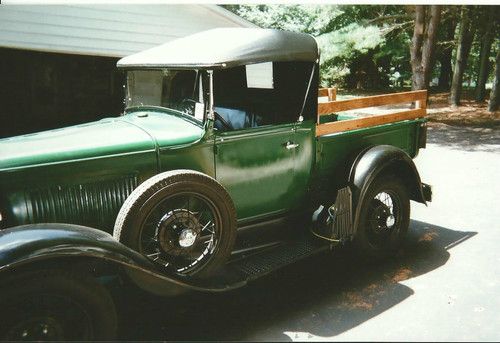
342,136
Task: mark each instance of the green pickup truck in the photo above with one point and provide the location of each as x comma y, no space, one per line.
222,134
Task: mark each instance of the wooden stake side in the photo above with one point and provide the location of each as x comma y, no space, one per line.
358,123
331,93
372,101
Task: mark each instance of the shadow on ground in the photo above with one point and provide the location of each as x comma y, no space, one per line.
465,138
323,296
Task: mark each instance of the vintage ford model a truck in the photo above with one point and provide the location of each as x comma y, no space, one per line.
222,133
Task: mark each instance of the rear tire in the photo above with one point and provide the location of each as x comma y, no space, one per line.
384,218
55,305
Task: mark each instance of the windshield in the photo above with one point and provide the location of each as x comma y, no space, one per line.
180,90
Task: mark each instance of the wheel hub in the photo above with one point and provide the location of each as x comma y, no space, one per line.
38,328
383,219
187,238
178,231
390,221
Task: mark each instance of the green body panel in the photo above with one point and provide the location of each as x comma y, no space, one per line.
335,153
257,169
102,138
83,174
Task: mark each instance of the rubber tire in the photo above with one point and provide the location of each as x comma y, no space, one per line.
84,290
127,230
361,240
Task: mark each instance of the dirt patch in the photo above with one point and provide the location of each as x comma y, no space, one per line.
364,299
468,113
428,236
401,274
355,300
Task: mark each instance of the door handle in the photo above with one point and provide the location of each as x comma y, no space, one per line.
291,145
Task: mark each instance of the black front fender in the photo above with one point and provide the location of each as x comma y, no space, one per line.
27,244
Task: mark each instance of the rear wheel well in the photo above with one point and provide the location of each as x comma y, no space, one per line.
409,177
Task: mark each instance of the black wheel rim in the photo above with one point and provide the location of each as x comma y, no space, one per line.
181,233
48,317
384,218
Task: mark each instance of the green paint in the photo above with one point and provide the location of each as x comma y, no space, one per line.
82,174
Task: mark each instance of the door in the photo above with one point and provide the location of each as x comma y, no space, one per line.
256,166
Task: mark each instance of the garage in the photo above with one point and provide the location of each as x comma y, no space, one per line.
58,61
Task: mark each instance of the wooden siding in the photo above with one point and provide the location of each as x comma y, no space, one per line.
106,30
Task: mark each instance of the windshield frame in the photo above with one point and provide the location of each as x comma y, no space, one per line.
203,78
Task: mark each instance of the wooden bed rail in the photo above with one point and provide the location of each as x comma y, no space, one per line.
419,97
331,93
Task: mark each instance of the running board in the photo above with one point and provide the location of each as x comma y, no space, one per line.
245,268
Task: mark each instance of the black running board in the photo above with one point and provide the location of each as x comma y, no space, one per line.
244,268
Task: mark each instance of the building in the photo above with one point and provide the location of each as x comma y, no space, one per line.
57,62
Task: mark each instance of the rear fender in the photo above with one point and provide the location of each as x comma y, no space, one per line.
384,159
29,244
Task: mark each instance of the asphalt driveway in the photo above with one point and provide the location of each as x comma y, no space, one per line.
445,285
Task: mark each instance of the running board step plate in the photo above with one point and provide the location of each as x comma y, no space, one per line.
258,264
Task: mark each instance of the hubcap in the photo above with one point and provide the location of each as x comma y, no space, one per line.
38,328
383,214
181,233
187,238
390,221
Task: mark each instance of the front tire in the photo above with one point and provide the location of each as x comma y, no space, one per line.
183,220
55,305
384,218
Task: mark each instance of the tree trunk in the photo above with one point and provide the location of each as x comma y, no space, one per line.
483,70
446,71
417,78
495,90
466,36
424,44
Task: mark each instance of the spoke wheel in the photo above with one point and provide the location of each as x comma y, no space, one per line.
48,317
184,221
181,232
384,218
55,305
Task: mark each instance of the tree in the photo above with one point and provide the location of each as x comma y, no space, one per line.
360,45
486,36
423,44
495,90
466,36
446,45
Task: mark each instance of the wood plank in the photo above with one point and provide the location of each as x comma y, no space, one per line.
371,101
353,124
323,92
331,93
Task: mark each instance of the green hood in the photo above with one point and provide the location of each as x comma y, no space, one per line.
135,132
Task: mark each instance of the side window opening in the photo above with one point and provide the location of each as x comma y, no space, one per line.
252,97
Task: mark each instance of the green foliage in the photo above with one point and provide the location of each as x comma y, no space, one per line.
339,49
360,45
364,45
312,19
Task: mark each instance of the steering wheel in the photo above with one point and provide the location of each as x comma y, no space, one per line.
187,105
227,125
